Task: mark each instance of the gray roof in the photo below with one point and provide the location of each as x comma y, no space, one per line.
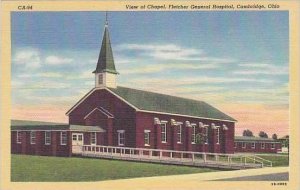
245,138
106,60
40,125
155,102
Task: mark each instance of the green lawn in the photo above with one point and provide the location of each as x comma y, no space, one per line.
276,160
41,168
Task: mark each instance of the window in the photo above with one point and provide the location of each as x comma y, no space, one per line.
19,137
63,138
47,137
235,145
218,135
121,137
74,137
32,137
179,133
93,139
272,145
243,145
252,145
262,145
100,79
193,134
163,132
147,138
206,135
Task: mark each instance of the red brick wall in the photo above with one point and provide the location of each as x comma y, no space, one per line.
146,121
54,149
257,148
124,115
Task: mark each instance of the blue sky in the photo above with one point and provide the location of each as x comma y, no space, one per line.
223,58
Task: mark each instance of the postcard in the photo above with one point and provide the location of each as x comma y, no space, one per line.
150,95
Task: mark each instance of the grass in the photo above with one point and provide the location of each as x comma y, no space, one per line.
42,168
277,161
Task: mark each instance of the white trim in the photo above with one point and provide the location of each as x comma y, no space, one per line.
17,140
179,122
95,109
137,109
119,137
261,145
179,133
163,125
274,145
49,132
91,134
148,137
244,143
163,121
61,137
253,147
147,131
31,137
193,140
175,114
218,135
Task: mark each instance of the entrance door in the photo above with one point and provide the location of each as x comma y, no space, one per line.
77,143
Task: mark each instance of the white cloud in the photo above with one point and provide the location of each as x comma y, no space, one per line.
261,69
172,52
29,58
55,60
42,75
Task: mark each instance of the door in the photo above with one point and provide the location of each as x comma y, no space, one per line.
77,143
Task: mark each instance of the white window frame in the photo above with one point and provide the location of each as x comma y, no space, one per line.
206,135
244,144
47,138
218,135
193,140
32,137
253,145
262,145
146,137
63,138
163,132
93,138
121,138
179,134
19,137
272,145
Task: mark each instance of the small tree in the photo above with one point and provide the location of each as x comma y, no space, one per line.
200,138
263,134
247,133
274,136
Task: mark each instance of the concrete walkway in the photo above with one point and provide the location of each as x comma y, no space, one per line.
191,180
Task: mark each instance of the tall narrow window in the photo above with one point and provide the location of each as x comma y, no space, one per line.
218,135
179,133
272,145
93,139
206,134
193,134
253,145
19,137
47,137
163,132
121,137
262,145
100,79
235,145
32,137
243,145
63,138
147,138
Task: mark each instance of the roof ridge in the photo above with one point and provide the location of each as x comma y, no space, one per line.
162,94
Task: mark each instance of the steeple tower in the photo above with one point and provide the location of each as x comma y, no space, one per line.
106,73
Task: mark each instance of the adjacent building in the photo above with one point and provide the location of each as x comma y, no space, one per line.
256,145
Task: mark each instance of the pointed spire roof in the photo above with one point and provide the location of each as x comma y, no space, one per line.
106,60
